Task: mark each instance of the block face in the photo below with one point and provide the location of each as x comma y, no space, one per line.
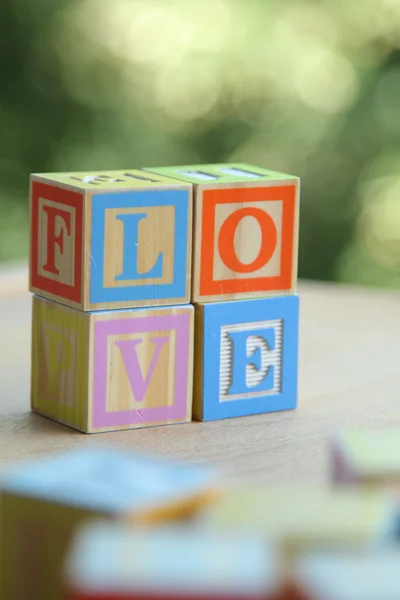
245,231
264,218
60,350
136,354
140,248
37,536
56,242
255,344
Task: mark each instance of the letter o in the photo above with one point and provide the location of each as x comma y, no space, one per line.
226,240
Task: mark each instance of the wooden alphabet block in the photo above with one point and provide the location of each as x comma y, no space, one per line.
245,230
347,576
245,357
120,239
303,519
370,458
110,562
114,369
44,503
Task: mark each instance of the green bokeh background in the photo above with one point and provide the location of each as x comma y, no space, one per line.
306,87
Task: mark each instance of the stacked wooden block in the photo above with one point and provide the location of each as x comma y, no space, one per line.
122,302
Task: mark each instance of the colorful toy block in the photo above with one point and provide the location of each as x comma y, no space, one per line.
308,518
245,357
100,371
355,576
245,230
119,239
367,458
110,562
44,503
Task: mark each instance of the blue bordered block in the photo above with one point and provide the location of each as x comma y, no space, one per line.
246,357
140,248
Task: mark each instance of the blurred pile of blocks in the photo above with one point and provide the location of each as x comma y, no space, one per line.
99,524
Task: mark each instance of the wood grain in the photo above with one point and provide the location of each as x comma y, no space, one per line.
349,376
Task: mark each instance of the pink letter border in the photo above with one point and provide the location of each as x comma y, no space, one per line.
102,329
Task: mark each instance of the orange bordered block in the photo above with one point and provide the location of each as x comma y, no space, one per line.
111,562
111,240
245,230
45,502
107,370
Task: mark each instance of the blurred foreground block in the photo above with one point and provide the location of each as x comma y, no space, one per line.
367,457
44,502
366,576
308,518
114,563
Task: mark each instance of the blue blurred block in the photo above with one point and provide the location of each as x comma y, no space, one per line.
246,357
362,574
107,480
45,501
109,560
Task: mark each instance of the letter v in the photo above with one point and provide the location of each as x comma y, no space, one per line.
139,384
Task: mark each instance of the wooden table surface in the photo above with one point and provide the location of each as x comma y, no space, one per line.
349,376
